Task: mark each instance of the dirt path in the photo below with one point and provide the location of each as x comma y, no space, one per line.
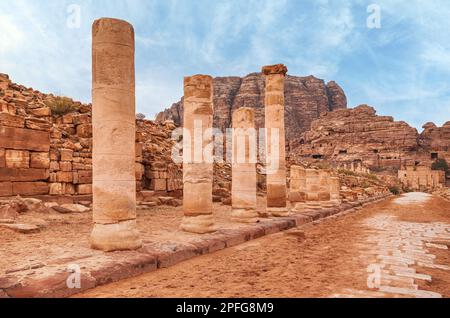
332,261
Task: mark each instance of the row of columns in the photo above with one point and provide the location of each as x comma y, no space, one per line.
313,185
113,117
197,171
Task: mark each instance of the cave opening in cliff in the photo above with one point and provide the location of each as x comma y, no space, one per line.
343,152
317,156
434,155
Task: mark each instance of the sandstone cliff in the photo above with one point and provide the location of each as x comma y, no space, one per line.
378,142
306,98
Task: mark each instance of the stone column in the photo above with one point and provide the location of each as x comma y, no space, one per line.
244,166
324,186
298,184
275,139
113,123
197,168
312,185
335,187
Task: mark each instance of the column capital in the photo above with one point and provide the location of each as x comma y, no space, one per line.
274,69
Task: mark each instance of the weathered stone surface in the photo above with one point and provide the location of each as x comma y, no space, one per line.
13,174
114,135
197,170
244,166
30,188
276,139
11,120
6,189
306,98
21,228
353,135
40,160
17,159
24,139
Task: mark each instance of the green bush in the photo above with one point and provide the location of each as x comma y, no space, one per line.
61,105
347,172
372,177
440,164
394,190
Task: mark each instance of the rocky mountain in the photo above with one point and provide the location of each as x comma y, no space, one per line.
305,97
378,142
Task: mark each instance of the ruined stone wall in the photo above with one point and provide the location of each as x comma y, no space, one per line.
45,154
421,178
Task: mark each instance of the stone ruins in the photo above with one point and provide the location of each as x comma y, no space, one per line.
114,134
244,181
275,139
197,167
421,178
101,157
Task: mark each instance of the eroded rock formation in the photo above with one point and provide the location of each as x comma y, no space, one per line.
358,134
305,99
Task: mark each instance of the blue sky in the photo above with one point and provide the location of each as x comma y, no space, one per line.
402,69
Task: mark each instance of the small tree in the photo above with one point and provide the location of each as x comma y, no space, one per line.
61,105
440,164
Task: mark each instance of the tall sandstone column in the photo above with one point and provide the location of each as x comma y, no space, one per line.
275,147
113,122
197,168
244,166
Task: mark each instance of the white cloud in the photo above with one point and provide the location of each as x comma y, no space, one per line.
11,36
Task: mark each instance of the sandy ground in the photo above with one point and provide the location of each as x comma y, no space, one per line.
66,236
329,262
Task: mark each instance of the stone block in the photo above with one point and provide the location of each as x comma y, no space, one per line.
11,120
24,139
30,188
297,196
81,166
84,177
55,189
81,119
158,185
66,154
84,130
2,158
17,159
14,174
54,166
40,112
38,124
64,176
40,160
6,189
67,119
68,188
65,166
84,188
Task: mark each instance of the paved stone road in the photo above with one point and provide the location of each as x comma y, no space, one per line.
397,248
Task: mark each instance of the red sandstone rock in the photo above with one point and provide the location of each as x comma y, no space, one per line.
306,98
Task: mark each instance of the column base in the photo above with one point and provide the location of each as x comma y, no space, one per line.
199,224
115,236
278,212
244,215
